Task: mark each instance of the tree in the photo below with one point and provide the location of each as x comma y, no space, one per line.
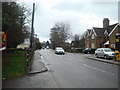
47,43
76,40
14,23
59,34
82,42
38,45
79,41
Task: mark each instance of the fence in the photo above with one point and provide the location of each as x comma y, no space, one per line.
16,62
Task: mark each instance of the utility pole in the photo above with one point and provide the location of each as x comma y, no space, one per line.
32,28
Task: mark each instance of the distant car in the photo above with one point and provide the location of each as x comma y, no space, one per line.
89,50
59,50
43,47
47,47
105,53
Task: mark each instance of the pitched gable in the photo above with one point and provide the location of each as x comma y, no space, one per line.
100,32
113,27
88,32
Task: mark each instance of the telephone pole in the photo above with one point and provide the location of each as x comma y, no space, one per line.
32,28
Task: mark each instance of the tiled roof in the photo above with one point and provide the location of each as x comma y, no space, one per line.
100,31
111,27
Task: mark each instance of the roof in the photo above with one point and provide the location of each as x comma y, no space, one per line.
89,31
111,27
100,31
116,25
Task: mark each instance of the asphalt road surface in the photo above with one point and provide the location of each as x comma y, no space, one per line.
72,70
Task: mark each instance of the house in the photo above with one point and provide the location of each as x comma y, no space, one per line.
88,38
102,37
25,44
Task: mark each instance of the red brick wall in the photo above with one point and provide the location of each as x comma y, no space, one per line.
112,38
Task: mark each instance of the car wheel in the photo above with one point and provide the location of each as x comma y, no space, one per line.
96,55
88,52
105,56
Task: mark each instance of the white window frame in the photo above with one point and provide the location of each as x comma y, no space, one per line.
93,45
87,46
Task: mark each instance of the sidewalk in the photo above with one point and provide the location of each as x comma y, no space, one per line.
38,65
110,61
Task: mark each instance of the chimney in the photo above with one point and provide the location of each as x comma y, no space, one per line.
105,22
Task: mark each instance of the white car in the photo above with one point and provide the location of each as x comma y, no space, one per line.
105,53
59,50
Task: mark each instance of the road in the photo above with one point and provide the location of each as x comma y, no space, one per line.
72,70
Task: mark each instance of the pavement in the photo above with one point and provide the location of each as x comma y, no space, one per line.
38,64
110,61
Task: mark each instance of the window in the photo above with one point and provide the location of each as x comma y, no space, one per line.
87,46
93,45
93,36
113,46
106,33
87,37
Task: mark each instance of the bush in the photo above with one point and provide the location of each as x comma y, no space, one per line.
78,50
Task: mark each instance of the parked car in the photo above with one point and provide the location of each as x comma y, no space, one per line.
59,50
47,47
43,47
89,50
105,53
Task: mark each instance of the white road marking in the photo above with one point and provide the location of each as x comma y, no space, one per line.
51,78
98,69
45,62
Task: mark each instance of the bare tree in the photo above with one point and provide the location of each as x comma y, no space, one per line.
79,41
59,34
76,40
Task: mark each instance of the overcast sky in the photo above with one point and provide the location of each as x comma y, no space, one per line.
80,15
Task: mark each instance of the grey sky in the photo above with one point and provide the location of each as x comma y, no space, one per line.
80,15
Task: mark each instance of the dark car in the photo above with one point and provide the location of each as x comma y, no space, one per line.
89,50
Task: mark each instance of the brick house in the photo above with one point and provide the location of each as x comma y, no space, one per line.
102,37
88,38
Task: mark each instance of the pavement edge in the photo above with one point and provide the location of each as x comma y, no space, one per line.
44,69
102,61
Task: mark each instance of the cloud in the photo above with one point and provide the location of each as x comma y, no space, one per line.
81,15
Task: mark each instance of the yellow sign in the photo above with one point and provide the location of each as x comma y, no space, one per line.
117,51
117,40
